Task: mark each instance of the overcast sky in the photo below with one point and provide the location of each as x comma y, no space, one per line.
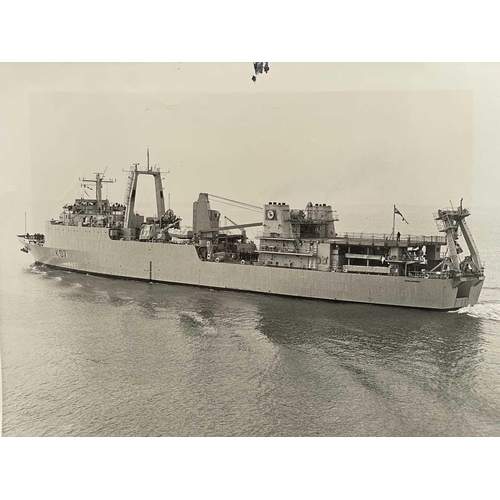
341,134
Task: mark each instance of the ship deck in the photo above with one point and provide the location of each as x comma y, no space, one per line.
371,239
389,240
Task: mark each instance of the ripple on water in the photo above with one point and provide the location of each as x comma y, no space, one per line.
486,310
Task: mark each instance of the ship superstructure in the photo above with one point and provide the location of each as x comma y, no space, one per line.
298,252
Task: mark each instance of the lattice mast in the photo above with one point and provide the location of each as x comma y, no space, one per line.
99,179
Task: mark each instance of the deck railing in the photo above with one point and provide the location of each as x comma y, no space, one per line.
404,238
432,276
285,250
408,239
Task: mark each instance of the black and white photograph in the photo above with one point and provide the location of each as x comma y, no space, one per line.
250,250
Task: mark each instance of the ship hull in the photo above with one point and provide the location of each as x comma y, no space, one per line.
90,250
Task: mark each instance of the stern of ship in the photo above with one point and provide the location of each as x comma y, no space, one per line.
468,291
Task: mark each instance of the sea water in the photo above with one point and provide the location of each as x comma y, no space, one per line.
91,356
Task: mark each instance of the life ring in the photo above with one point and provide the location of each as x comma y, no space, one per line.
209,255
217,259
426,276
243,262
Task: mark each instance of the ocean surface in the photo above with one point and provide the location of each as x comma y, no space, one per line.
90,356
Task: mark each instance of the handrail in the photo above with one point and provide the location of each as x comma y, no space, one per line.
430,275
406,238
409,238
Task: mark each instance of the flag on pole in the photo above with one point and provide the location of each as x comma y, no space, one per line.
396,211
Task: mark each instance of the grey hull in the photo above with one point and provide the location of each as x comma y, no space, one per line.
91,250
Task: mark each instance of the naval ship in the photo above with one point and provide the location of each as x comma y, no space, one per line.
298,251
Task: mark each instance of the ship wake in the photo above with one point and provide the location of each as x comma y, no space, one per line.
196,319
483,310
37,269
